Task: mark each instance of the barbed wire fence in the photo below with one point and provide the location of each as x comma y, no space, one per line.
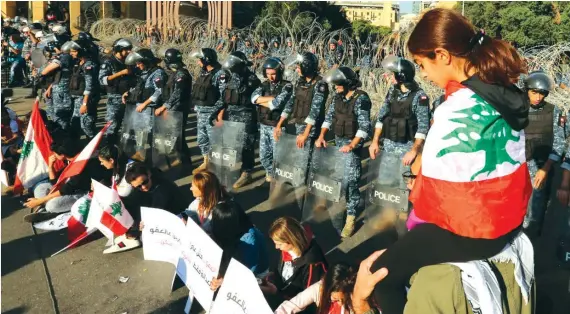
195,33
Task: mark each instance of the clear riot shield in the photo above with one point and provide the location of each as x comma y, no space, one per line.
325,201
38,58
387,195
291,166
167,140
225,158
134,135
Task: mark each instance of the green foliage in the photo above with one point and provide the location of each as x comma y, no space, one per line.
363,29
523,23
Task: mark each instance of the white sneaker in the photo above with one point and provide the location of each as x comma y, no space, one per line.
122,243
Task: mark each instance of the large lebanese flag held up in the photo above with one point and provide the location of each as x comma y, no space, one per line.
78,164
33,164
474,179
107,212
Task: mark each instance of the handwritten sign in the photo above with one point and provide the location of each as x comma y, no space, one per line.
163,235
199,262
240,293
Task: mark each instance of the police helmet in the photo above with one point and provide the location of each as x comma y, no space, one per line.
77,46
173,57
343,76
86,36
404,70
309,64
143,55
66,48
275,64
122,44
236,62
208,56
538,81
52,45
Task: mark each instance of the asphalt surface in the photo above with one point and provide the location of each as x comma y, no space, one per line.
83,280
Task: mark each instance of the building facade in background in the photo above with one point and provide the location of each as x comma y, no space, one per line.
378,13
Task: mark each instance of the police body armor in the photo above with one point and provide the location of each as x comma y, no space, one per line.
119,85
46,80
77,81
266,115
169,88
401,124
239,94
304,93
205,93
65,70
539,134
140,92
344,122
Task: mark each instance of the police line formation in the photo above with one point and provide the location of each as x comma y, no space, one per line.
280,95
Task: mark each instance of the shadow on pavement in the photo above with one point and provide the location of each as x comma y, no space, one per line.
18,310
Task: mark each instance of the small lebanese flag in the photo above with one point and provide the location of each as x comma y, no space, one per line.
78,164
107,213
474,179
33,164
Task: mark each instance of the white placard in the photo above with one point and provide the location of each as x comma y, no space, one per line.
240,293
163,235
199,263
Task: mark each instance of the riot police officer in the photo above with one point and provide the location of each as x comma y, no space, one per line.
544,137
288,50
235,105
177,94
248,49
84,89
403,120
62,105
271,98
51,50
334,55
117,78
206,92
307,105
349,118
147,92
275,49
93,50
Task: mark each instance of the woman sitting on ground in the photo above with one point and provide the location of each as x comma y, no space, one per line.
234,233
302,261
208,191
332,295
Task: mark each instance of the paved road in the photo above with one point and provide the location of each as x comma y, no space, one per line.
83,280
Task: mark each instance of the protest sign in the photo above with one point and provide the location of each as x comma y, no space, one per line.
240,293
163,235
199,262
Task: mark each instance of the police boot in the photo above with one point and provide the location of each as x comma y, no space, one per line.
33,92
348,229
203,166
243,180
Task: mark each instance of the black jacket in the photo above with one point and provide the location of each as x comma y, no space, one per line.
308,269
511,102
164,194
81,183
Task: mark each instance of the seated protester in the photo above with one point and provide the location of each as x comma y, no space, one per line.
11,132
208,192
157,191
238,238
332,294
302,261
112,159
48,205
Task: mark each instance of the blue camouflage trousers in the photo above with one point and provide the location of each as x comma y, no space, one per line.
267,148
115,112
247,117
397,148
204,131
86,121
62,106
352,172
538,199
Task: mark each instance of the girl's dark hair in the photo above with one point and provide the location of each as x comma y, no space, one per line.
109,152
496,61
339,278
136,170
65,146
229,224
